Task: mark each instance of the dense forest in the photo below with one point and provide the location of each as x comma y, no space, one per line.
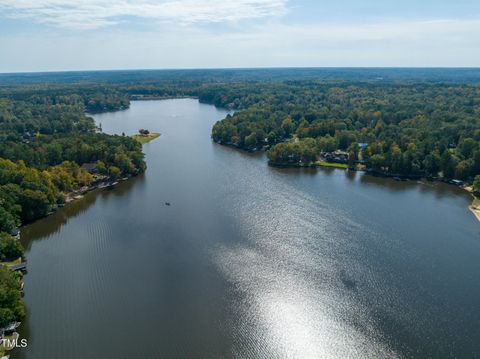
411,129
45,138
406,122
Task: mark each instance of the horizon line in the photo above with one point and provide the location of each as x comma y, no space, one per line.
243,68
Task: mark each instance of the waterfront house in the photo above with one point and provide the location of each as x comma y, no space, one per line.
90,167
335,157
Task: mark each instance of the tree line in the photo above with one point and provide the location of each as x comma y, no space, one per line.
405,128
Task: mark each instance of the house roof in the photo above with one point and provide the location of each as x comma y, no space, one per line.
89,166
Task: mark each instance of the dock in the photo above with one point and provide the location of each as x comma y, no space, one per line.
19,267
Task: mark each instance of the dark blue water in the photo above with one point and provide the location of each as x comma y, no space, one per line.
250,261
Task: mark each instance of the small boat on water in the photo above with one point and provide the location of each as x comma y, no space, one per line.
167,203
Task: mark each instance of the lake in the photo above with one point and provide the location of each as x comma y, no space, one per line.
249,261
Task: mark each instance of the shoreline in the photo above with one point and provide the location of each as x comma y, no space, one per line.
137,98
341,166
154,98
475,206
78,194
146,138
73,196
475,210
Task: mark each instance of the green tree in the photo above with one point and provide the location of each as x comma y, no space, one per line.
433,163
114,172
11,303
9,247
8,221
250,141
476,185
449,164
288,126
377,162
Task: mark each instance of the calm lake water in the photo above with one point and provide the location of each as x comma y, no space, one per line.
250,261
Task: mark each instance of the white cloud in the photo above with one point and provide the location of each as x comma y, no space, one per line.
401,43
91,14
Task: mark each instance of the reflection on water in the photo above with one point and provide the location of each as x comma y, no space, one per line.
250,261
47,226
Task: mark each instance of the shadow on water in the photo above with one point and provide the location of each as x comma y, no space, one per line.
296,171
45,227
442,190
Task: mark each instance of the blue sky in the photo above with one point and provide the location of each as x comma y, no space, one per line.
50,35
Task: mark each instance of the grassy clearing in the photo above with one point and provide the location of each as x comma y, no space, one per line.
12,263
331,164
145,138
